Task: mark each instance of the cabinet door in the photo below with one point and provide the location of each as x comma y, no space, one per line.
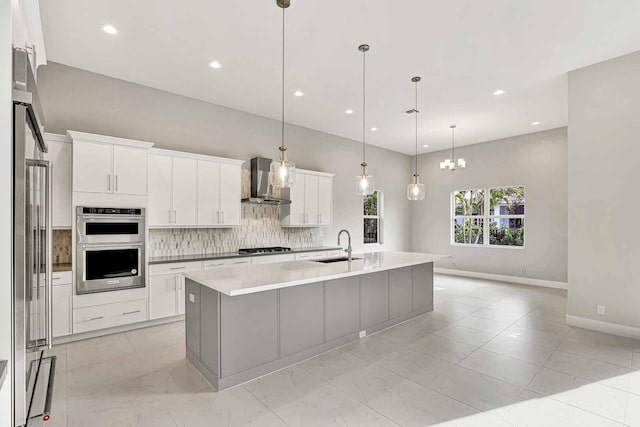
209,193
162,296
325,200
61,310
181,285
92,167
230,194
311,199
160,169
60,156
296,208
130,170
185,185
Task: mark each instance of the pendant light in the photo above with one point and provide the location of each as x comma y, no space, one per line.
364,182
451,162
282,171
415,190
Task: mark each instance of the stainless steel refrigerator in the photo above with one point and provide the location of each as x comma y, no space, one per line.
33,371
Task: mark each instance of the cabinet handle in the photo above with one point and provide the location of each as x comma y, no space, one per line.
177,268
175,216
116,183
57,278
218,217
109,182
130,312
319,218
94,318
223,217
215,265
240,262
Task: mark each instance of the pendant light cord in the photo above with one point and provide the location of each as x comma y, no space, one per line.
453,143
417,128
364,105
283,88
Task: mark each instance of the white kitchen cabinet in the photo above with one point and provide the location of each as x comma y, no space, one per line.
219,193
184,185
61,312
103,164
208,193
160,170
230,193
59,155
163,300
130,170
325,200
311,200
92,167
191,190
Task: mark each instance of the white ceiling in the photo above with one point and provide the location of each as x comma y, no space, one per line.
463,49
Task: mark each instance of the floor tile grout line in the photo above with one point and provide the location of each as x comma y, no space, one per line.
590,412
344,392
269,408
546,360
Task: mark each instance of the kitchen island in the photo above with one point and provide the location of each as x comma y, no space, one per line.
246,321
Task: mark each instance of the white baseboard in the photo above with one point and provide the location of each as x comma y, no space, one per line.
605,327
503,278
116,329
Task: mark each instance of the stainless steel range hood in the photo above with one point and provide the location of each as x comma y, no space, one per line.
261,191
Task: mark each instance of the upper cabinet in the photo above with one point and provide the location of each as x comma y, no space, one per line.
59,155
311,200
191,190
103,164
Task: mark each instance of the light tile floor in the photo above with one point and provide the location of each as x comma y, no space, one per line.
491,354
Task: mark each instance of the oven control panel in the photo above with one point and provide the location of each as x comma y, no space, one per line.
111,211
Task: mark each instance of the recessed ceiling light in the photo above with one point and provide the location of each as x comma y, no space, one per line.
499,92
425,146
349,111
298,93
535,123
215,65
374,129
109,29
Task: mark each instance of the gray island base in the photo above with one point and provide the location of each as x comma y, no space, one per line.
234,339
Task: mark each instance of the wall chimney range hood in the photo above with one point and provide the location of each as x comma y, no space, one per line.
261,190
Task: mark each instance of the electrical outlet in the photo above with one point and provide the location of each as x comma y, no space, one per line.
524,271
363,334
192,298
601,310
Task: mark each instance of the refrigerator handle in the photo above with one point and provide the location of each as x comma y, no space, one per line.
49,257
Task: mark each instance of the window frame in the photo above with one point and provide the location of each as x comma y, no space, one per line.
379,217
486,218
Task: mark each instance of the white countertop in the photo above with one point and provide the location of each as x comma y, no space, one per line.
247,279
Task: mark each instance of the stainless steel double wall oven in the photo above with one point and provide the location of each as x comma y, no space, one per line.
110,246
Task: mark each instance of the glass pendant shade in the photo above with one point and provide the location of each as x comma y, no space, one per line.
282,172
365,183
416,190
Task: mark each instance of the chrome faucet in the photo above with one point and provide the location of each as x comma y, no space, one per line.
348,250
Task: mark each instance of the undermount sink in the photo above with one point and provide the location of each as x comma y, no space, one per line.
332,260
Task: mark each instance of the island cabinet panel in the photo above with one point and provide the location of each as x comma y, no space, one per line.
374,299
209,336
249,331
301,318
422,286
400,292
342,313
192,316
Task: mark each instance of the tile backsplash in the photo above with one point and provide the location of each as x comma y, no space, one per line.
61,246
260,227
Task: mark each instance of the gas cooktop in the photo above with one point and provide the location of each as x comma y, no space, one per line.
264,250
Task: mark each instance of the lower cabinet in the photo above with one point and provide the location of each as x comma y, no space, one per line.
91,318
62,310
163,296
342,307
301,318
400,292
249,329
374,299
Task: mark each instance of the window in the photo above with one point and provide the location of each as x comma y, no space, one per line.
373,209
495,212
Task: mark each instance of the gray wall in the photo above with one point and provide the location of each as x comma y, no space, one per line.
604,170
539,162
79,100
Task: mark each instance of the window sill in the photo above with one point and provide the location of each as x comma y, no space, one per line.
462,245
